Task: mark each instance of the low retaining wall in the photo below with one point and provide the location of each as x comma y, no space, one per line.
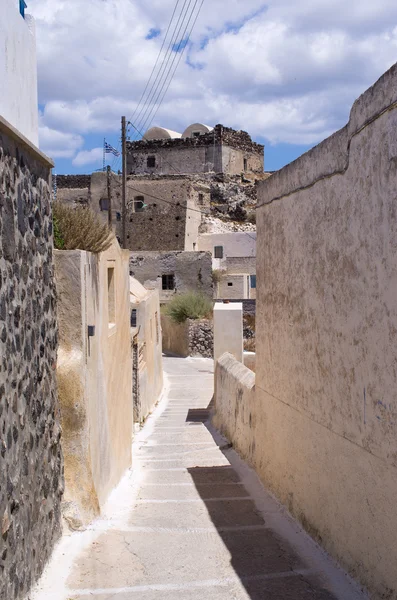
234,404
192,338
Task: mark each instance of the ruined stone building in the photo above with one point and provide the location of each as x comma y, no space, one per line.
163,212
199,149
175,181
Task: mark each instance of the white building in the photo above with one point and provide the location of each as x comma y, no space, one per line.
18,69
234,259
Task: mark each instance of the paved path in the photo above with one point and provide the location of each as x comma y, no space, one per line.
191,521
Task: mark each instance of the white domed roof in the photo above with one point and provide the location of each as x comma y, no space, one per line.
160,133
196,129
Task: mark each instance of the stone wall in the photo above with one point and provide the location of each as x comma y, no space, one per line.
326,339
192,272
31,474
191,338
223,150
201,338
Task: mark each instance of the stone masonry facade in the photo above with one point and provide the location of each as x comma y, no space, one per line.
31,474
223,150
201,338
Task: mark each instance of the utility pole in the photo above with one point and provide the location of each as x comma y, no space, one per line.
109,199
123,182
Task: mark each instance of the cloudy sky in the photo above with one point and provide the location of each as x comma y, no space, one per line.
285,71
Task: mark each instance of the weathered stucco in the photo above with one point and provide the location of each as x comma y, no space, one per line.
149,363
326,375
95,377
191,338
31,469
228,330
235,405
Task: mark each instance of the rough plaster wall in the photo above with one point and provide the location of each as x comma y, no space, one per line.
95,378
173,160
81,499
31,477
193,271
235,405
233,161
238,289
175,337
18,71
326,339
151,376
236,266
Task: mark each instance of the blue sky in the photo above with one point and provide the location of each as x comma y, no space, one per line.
286,72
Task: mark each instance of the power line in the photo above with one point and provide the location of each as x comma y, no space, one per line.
156,63
182,50
164,64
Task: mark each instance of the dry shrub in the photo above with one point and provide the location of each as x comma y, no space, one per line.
79,228
189,306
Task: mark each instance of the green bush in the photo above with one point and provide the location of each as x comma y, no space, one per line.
79,228
189,306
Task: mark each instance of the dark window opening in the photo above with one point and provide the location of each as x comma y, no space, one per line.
253,281
218,251
139,203
229,284
118,216
245,164
104,204
133,317
196,134
201,198
168,282
151,162
177,218
154,205
177,235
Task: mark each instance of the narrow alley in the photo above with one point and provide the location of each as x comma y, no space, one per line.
190,520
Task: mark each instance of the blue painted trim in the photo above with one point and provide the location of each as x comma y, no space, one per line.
22,6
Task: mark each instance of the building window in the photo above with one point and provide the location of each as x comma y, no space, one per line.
133,317
151,162
168,281
196,134
201,198
253,281
111,298
118,216
139,203
218,252
229,283
245,164
104,204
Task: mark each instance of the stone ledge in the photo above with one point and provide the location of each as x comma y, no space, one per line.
9,130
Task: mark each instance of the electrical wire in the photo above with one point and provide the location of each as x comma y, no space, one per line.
181,51
160,74
156,63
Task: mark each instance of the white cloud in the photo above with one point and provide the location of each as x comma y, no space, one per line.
58,144
88,157
285,71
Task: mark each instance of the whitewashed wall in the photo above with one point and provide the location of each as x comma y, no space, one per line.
235,244
18,70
